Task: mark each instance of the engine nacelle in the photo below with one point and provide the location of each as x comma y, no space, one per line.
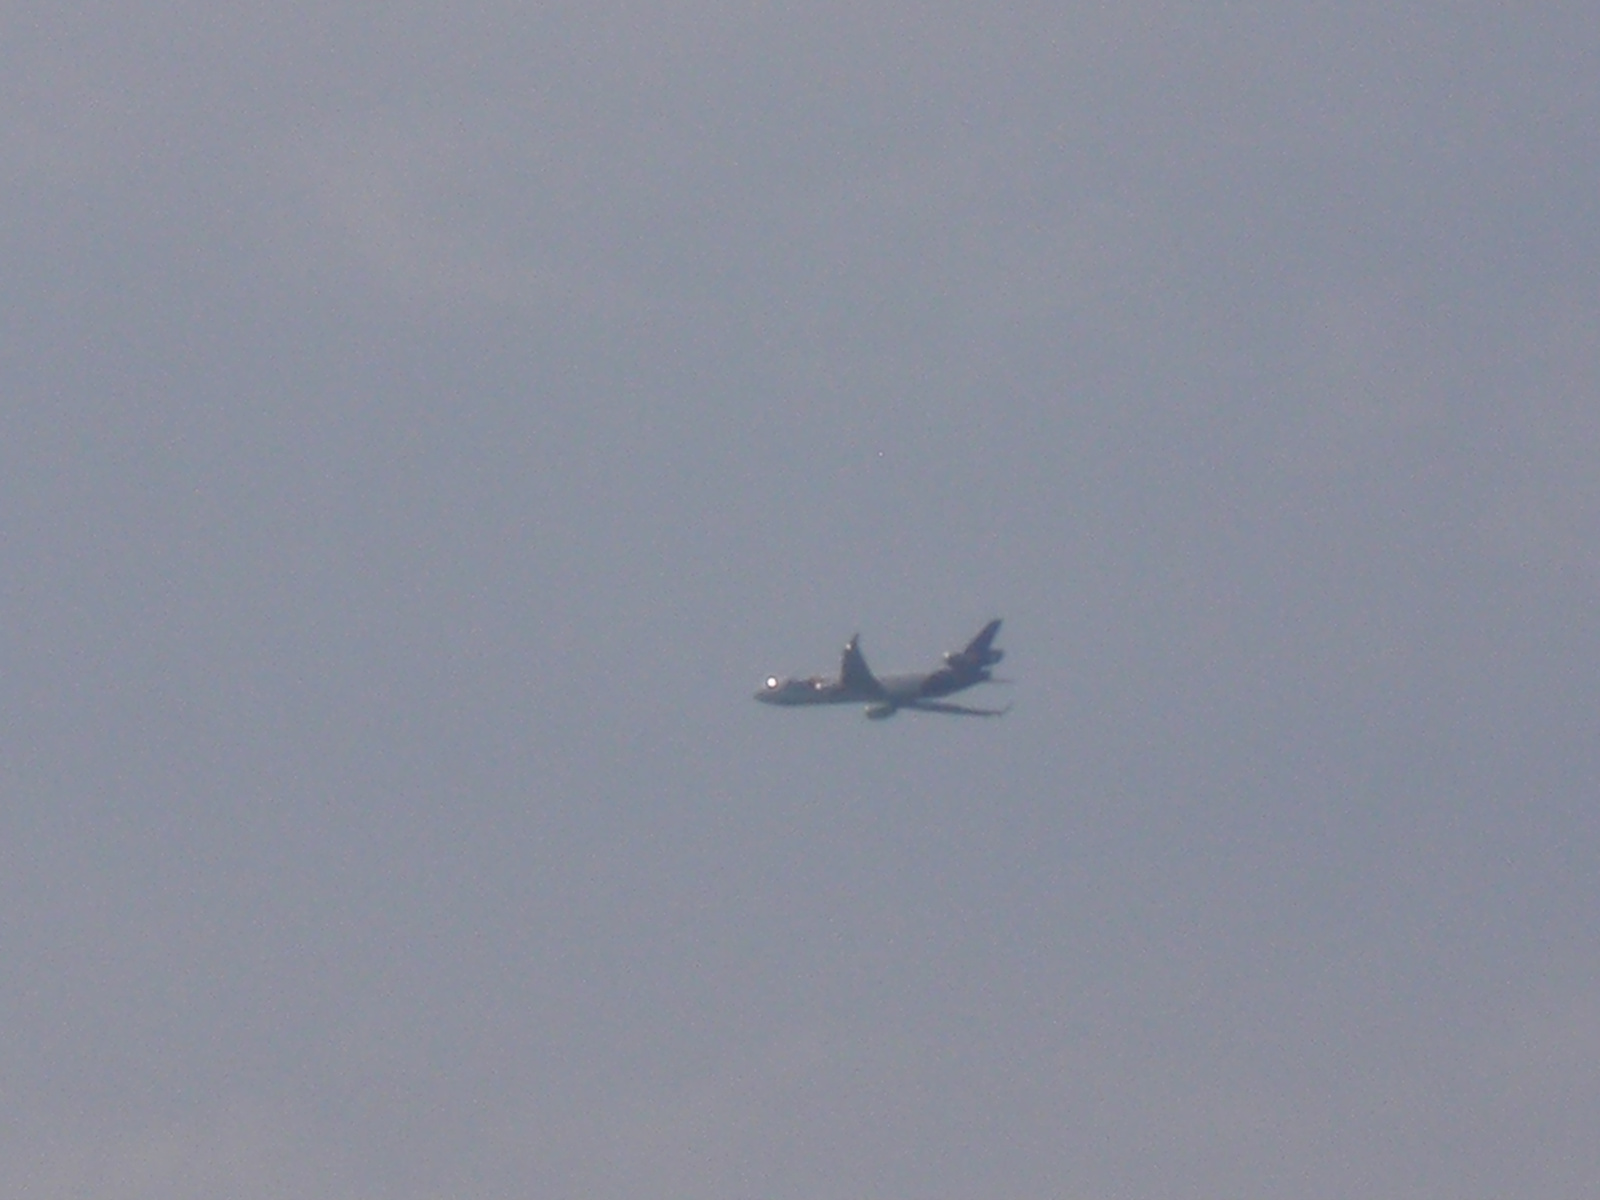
960,660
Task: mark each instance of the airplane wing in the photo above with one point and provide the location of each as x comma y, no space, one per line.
959,710
854,674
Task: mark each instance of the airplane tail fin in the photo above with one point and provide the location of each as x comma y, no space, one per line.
979,652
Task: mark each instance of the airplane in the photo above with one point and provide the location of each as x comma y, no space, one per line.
886,695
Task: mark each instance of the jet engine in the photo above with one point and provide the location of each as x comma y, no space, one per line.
962,661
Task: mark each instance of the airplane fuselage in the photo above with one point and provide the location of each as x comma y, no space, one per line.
884,695
895,689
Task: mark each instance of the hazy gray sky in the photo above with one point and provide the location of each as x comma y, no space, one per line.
422,427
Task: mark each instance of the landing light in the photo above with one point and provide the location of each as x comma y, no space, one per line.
772,681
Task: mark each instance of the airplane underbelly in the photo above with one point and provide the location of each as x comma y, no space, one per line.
901,688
